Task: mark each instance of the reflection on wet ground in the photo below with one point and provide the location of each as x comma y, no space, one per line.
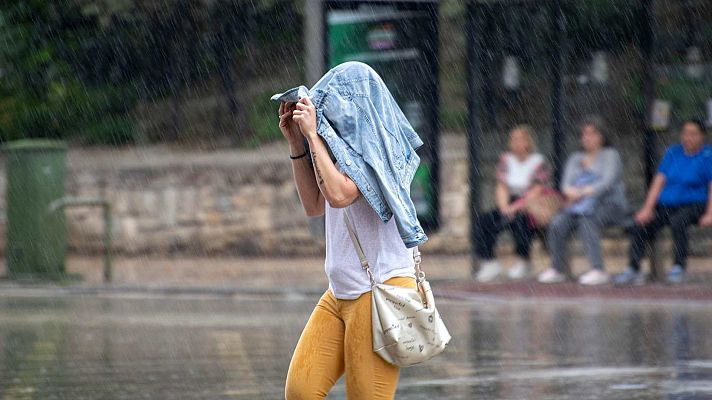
179,347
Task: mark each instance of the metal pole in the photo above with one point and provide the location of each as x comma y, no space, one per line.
66,202
488,62
557,89
647,45
473,32
431,55
314,39
316,49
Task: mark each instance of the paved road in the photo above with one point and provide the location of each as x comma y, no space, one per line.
130,345
302,273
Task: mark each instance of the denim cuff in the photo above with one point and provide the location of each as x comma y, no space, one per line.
323,127
415,239
292,95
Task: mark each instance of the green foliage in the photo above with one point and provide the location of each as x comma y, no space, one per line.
262,119
600,24
687,96
76,69
41,91
452,118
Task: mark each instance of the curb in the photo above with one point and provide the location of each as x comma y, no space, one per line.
53,290
654,293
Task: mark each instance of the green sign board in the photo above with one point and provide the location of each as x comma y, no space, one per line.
396,42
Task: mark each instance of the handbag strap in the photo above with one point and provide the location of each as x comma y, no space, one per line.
420,275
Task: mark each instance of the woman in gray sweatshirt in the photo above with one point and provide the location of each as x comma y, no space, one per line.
595,197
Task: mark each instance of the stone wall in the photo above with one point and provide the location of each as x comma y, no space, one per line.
241,202
167,201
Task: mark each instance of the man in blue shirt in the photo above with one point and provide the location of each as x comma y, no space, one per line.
679,197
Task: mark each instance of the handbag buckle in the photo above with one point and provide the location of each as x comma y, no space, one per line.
421,276
416,256
370,276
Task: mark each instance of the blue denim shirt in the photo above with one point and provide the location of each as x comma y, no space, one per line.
371,139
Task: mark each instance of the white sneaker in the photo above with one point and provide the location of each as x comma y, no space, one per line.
520,270
594,277
489,271
551,276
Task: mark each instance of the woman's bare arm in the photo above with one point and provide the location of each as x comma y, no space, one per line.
336,187
654,192
501,197
309,193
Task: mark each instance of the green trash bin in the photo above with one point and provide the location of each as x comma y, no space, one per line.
36,234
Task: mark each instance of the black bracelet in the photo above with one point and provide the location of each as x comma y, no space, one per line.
298,157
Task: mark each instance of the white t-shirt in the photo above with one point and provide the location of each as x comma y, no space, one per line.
384,249
519,175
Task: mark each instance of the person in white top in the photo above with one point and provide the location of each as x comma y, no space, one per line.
521,174
337,339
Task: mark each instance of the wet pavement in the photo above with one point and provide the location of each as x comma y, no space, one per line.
451,273
129,345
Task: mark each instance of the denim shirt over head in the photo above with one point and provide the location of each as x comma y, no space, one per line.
370,138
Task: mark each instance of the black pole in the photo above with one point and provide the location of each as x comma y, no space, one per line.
647,46
647,43
557,89
430,51
473,32
487,61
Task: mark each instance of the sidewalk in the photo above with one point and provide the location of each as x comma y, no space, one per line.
451,277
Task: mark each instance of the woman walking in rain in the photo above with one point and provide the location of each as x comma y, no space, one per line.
359,156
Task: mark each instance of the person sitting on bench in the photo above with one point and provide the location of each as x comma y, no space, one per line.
679,197
595,198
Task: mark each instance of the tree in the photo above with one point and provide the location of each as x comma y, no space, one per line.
41,90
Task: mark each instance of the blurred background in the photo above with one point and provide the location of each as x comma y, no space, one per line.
143,168
164,104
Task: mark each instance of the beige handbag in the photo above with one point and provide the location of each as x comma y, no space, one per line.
407,328
542,209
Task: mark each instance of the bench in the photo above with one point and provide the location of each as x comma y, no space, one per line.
654,251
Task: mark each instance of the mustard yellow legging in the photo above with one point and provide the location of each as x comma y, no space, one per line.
336,340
